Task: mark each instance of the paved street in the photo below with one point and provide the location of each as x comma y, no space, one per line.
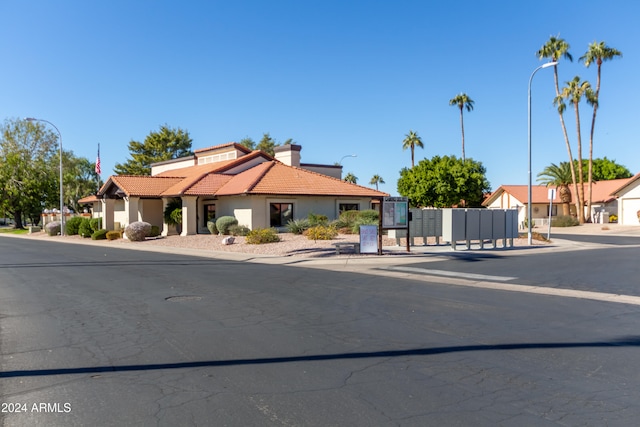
93,335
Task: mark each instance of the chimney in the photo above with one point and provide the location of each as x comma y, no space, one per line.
289,154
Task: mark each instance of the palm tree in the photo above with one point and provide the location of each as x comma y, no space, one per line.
573,91
560,176
555,49
412,140
375,180
598,52
462,101
351,178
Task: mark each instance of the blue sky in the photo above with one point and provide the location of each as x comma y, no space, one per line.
339,77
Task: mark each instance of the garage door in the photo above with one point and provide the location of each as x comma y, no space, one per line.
630,207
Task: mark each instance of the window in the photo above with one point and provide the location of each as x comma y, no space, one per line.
209,213
280,214
342,207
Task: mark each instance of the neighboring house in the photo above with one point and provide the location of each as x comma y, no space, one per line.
604,201
259,190
628,195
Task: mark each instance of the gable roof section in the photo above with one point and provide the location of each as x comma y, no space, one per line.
277,178
625,185
539,194
228,144
139,186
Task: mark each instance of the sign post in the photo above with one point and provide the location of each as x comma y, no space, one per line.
551,194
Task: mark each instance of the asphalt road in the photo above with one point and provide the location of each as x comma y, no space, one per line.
107,336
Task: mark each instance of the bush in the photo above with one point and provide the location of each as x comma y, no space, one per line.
368,217
321,232
565,221
96,224
613,218
137,231
239,230
346,220
262,235
315,220
73,225
85,228
100,235
155,231
224,222
211,226
112,235
298,226
173,212
53,228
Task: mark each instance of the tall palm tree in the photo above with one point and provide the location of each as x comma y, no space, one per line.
462,101
375,180
555,49
560,177
598,53
412,140
351,178
573,91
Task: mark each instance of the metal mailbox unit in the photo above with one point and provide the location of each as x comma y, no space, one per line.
424,223
479,225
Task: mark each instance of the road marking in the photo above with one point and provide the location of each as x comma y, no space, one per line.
457,280
455,274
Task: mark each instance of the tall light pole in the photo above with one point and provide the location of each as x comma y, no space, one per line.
31,119
529,210
344,157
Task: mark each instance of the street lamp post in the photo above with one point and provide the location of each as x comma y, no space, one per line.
31,119
344,157
529,210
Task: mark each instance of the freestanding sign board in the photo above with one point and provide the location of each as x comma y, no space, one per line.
395,212
368,239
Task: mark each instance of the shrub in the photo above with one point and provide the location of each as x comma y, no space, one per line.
347,219
173,212
53,228
211,226
613,218
155,231
565,221
224,222
367,217
73,225
137,231
112,235
239,230
100,234
321,232
315,220
298,226
96,224
262,235
85,228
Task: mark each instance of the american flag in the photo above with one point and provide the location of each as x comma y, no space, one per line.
98,170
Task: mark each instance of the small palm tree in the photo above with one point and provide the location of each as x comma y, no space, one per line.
598,52
375,180
574,91
462,101
351,178
560,177
412,140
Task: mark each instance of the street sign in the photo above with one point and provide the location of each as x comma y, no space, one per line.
551,194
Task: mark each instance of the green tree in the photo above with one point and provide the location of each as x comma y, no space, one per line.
443,182
351,178
248,142
462,101
411,141
574,91
560,177
555,49
29,179
166,144
598,53
375,180
605,169
267,144
79,178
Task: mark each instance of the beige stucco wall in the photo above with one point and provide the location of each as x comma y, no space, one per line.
152,211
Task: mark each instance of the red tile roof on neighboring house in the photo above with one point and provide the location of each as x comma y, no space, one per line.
89,199
602,192
624,185
140,186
